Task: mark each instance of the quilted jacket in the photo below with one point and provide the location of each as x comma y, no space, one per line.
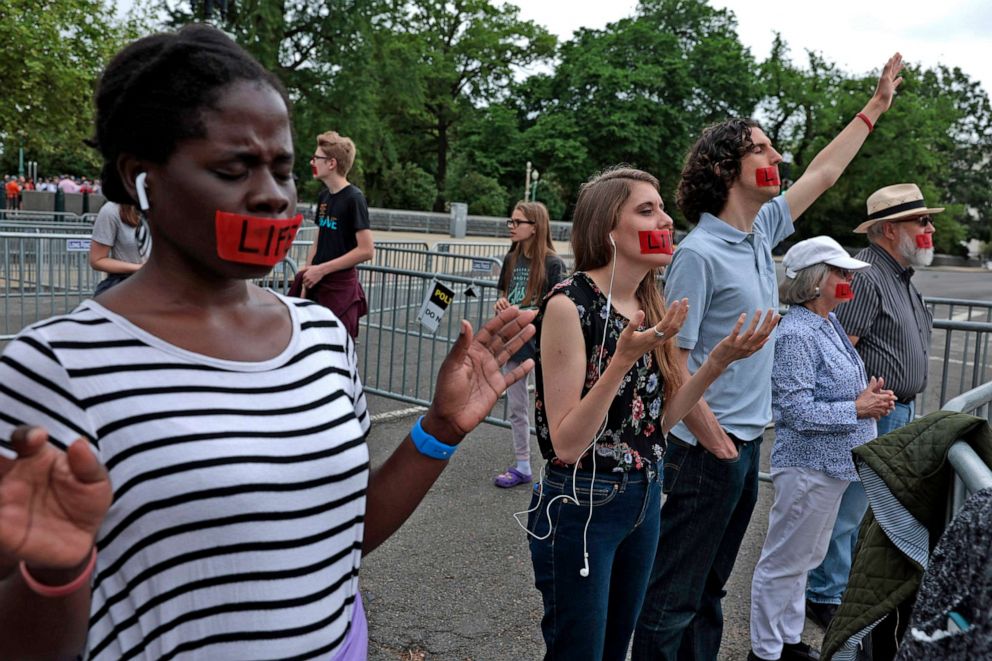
908,479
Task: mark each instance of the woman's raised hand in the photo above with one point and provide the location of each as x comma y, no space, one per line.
632,343
470,380
740,345
51,502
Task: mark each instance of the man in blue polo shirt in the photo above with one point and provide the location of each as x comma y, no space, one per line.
730,187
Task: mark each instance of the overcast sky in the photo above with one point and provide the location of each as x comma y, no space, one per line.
857,35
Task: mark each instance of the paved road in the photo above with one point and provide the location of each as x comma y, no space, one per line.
456,582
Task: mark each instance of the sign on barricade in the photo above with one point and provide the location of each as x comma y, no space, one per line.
482,265
435,303
77,245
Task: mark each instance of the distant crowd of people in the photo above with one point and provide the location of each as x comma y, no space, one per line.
14,187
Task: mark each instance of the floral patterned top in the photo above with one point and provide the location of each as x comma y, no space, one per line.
633,439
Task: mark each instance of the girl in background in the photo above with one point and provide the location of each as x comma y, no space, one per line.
120,244
530,269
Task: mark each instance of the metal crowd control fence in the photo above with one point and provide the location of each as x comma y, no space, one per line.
58,217
972,474
398,357
482,249
42,275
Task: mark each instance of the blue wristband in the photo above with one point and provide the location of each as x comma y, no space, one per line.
429,446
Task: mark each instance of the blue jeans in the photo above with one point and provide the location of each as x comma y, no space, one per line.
826,583
703,523
593,617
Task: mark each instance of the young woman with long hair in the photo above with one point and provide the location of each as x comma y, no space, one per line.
530,269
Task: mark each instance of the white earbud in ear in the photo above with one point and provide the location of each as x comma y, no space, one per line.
139,184
612,242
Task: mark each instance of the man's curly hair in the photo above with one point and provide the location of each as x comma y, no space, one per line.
712,166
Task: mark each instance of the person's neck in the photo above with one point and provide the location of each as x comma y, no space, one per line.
335,183
893,250
625,283
740,210
527,248
819,306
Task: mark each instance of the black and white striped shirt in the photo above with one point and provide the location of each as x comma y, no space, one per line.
892,322
239,487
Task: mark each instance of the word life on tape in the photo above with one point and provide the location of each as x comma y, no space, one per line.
435,303
767,176
656,242
924,241
254,240
843,292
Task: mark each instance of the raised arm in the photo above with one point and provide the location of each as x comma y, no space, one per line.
827,167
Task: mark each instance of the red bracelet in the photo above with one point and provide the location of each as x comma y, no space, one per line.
864,118
56,591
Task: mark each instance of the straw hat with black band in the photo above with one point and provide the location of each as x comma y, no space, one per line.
896,202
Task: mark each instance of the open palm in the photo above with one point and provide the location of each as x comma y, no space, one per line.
470,379
51,502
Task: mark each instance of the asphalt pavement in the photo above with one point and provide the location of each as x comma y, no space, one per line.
455,583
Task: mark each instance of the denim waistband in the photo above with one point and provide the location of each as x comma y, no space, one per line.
645,474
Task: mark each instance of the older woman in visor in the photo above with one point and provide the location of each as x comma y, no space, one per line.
824,406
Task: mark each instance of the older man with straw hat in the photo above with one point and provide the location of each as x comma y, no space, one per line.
890,326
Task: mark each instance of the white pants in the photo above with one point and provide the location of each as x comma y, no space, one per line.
799,526
518,400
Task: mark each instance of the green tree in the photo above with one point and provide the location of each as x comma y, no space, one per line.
54,51
638,91
484,195
407,186
461,54
322,51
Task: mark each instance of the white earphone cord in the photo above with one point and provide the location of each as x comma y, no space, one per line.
584,572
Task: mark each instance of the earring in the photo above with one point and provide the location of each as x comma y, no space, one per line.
139,185
816,293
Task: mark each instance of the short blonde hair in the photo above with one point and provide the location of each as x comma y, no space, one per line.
338,147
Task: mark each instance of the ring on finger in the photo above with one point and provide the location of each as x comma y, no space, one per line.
659,334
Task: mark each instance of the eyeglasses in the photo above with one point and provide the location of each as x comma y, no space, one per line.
922,221
321,158
844,273
513,222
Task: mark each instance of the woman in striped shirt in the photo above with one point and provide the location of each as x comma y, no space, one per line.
188,475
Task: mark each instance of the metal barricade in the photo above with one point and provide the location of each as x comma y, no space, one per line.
972,474
45,227
958,309
399,358
430,261
959,360
58,217
42,275
496,250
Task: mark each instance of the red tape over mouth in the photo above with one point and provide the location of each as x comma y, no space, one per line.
924,241
655,242
843,292
767,176
254,240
